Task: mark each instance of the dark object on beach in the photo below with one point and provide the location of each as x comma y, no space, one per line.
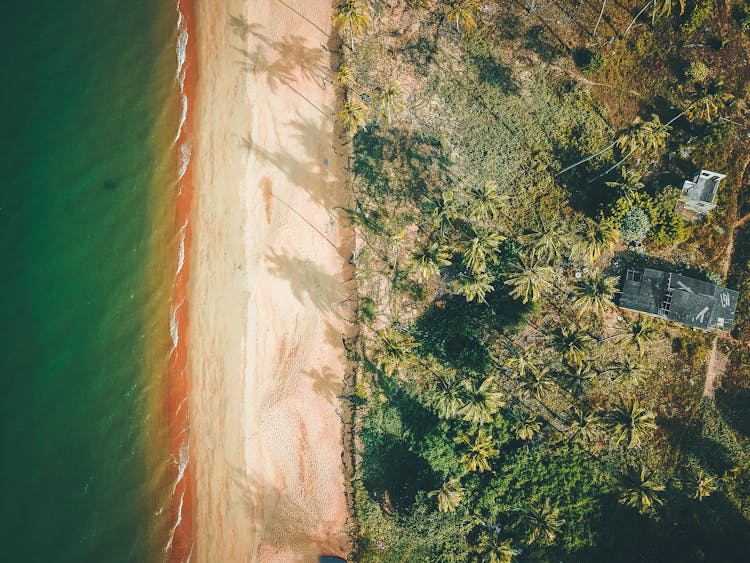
331,559
110,184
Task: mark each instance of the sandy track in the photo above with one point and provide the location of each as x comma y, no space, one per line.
267,291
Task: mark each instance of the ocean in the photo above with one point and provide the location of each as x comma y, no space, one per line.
90,245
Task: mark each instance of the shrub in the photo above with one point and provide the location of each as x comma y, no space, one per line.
714,278
700,14
587,60
667,225
635,224
697,71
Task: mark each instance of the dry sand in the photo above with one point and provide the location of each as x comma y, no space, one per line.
267,290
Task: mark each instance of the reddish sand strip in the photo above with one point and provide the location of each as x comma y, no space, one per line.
180,546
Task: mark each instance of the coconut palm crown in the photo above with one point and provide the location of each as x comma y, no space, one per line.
629,423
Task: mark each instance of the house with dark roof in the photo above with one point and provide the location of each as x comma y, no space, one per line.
678,298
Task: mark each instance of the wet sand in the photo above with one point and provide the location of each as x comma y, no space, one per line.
267,287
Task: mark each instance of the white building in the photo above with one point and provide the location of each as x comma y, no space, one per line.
699,194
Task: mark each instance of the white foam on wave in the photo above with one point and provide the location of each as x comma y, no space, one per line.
182,41
183,460
174,330
185,153
176,524
181,253
183,118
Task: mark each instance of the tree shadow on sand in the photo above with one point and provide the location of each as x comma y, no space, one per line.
284,62
308,282
326,383
311,172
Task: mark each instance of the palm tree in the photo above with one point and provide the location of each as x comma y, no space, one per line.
483,247
711,100
629,185
628,370
597,238
529,279
629,423
503,552
447,396
458,11
441,211
353,114
527,426
485,203
474,285
428,259
644,137
344,76
481,401
664,8
704,486
388,100
640,333
579,376
545,523
481,449
572,343
449,496
538,383
594,294
641,489
521,364
393,350
583,428
547,243
354,15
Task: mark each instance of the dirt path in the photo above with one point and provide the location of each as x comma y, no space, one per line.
742,221
718,363
711,372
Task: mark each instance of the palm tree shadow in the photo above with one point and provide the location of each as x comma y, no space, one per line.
243,28
308,282
325,383
312,172
283,62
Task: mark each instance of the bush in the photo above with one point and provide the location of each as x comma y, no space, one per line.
714,278
667,225
635,224
587,60
700,14
697,71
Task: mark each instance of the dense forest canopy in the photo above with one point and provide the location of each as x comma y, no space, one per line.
508,161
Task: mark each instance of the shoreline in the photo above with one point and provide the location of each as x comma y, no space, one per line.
180,544
267,298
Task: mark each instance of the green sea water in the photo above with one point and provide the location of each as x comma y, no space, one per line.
87,172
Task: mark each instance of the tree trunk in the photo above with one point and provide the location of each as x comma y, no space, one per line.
638,15
601,13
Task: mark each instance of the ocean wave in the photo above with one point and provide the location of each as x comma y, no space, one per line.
168,547
174,329
183,118
182,462
185,153
182,41
181,252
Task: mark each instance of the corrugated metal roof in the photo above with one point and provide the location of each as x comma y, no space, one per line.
681,299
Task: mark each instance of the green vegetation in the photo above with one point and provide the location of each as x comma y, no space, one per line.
505,409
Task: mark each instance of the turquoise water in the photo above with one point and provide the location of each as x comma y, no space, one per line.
87,102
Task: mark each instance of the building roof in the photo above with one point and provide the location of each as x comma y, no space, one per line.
678,298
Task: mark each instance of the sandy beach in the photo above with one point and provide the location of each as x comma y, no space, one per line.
267,289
